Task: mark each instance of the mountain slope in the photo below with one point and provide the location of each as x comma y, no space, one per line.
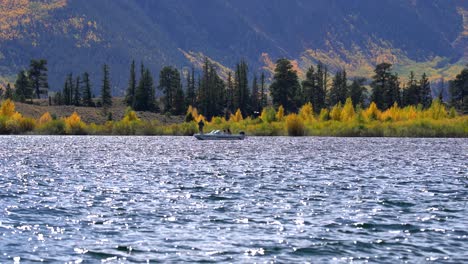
77,36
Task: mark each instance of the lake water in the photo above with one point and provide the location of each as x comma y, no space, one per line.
175,199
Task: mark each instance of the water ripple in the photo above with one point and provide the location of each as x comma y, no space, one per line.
175,199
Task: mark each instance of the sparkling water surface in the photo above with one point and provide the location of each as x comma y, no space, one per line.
285,200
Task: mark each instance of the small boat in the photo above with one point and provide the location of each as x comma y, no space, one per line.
219,135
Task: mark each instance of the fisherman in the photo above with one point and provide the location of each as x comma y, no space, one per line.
229,131
201,124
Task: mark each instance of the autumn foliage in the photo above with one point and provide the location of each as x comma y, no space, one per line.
342,120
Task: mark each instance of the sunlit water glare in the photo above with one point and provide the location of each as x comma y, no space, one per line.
175,199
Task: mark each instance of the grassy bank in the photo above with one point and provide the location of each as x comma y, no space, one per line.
436,121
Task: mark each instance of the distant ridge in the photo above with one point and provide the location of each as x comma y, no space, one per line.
75,36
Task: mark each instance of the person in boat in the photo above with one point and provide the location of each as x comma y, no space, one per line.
201,124
229,131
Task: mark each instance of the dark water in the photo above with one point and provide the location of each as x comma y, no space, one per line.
174,199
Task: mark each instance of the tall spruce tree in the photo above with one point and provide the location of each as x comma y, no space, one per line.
144,95
8,92
357,91
411,94
179,101
309,84
212,92
263,95
68,90
385,86
106,94
23,88
38,77
285,84
255,98
339,89
230,94
425,93
87,94
241,88
131,89
58,98
77,92
191,90
169,83
459,91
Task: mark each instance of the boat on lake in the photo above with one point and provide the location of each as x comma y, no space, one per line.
220,135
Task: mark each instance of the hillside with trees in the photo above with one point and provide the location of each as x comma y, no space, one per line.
80,36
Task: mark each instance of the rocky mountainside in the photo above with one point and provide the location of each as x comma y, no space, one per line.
77,36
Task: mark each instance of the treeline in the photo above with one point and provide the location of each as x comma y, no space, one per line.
410,121
213,96
30,83
78,91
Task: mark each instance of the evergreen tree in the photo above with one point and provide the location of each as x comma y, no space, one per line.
263,96
38,77
459,91
285,84
169,83
23,88
385,87
241,88
58,99
77,92
339,90
8,92
212,92
314,87
144,95
67,96
357,91
309,84
87,95
130,95
425,93
106,94
230,94
179,101
255,98
191,91
411,94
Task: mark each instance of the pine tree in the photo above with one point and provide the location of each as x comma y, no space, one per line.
23,88
144,95
38,77
230,94
285,84
241,88
130,95
179,101
315,87
411,94
357,91
77,92
255,99
339,90
87,95
263,96
191,91
58,99
67,96
8,93
459,91
425,93
385,87
169,83
212,92
106,94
